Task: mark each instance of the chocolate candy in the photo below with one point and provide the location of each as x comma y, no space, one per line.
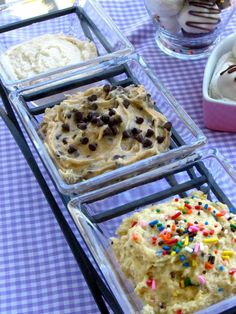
82,126
72,149
126,103
78,116
139,120
160,139
167,126
105,118
149,133
147,143
107,132
139,138
92,98
112,112
65,127
93,146
107,88
126,134
135,131
84,140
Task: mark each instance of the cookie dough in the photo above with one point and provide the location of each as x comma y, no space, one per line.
102,129
47,52
180,255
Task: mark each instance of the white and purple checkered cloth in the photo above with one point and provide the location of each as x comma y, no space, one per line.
38,273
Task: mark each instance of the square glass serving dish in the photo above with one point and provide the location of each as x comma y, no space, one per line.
83,20
186,136
98,216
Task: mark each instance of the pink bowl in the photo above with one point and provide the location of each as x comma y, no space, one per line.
218,114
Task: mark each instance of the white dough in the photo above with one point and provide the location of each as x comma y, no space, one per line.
46,52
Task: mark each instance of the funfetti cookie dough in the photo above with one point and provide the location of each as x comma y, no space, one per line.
102,129
180,255
48,52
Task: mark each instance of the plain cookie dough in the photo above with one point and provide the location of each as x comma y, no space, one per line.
47,52
102,129
180,255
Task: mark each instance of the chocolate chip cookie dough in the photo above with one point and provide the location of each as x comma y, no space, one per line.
103,128
180,255
46,52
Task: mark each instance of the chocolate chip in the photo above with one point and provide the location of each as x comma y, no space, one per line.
114,130
167,126
58,136
64,141
105,118
68,115
172,274
126,134
160,139
92,147
107,88
99,122
112,112
115,157
92,98
115,120
139,138
72,149
65,127
94,120
94,106
135,131
78,116
82,126
108,132
126,103
147,143
139,120
118,119
84,140
150,133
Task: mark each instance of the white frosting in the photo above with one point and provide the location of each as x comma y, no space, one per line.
165,8
224,86
47,52
202,22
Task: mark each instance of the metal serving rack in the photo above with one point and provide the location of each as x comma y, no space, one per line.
198,177
101,293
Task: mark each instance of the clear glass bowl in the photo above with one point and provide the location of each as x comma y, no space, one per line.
189,29
97,217
186,136
86,19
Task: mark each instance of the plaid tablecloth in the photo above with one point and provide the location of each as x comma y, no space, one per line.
38,273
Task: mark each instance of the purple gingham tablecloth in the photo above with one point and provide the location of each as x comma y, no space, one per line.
38,273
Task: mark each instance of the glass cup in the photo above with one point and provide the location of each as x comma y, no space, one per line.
189,29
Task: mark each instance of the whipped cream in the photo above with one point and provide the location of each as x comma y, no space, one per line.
223,83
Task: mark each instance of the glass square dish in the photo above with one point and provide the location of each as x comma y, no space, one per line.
84,20
98,216
186,136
